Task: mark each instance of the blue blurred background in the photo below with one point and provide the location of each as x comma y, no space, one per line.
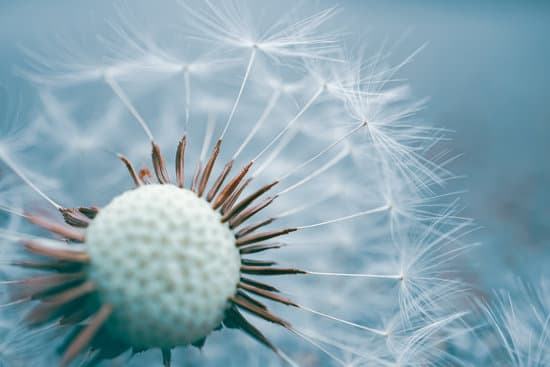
485,69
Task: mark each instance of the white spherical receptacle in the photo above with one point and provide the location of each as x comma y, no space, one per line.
166,263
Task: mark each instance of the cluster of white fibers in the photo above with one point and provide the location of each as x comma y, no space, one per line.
360,176
516,327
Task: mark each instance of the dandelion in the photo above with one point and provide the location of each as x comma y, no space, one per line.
311,195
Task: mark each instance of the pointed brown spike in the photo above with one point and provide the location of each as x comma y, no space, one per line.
234,319
166,357
263,293
251,300
52,280
180,161
69,337
145,176
243,204
263,236
259,248
67,232
131,170
90,212
84,338
48,280
253,227
159,165
74,217
56,283
251,262
70,294
260,285
231,186
59,254
195,181
260,270
53,304
258,311
28,289
208,168
51,265
235,196
248,213
219,181
39,315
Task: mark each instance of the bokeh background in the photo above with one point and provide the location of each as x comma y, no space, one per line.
485,70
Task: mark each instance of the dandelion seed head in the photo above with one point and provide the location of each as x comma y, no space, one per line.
163,259
301,196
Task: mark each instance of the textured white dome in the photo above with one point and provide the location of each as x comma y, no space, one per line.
161,256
